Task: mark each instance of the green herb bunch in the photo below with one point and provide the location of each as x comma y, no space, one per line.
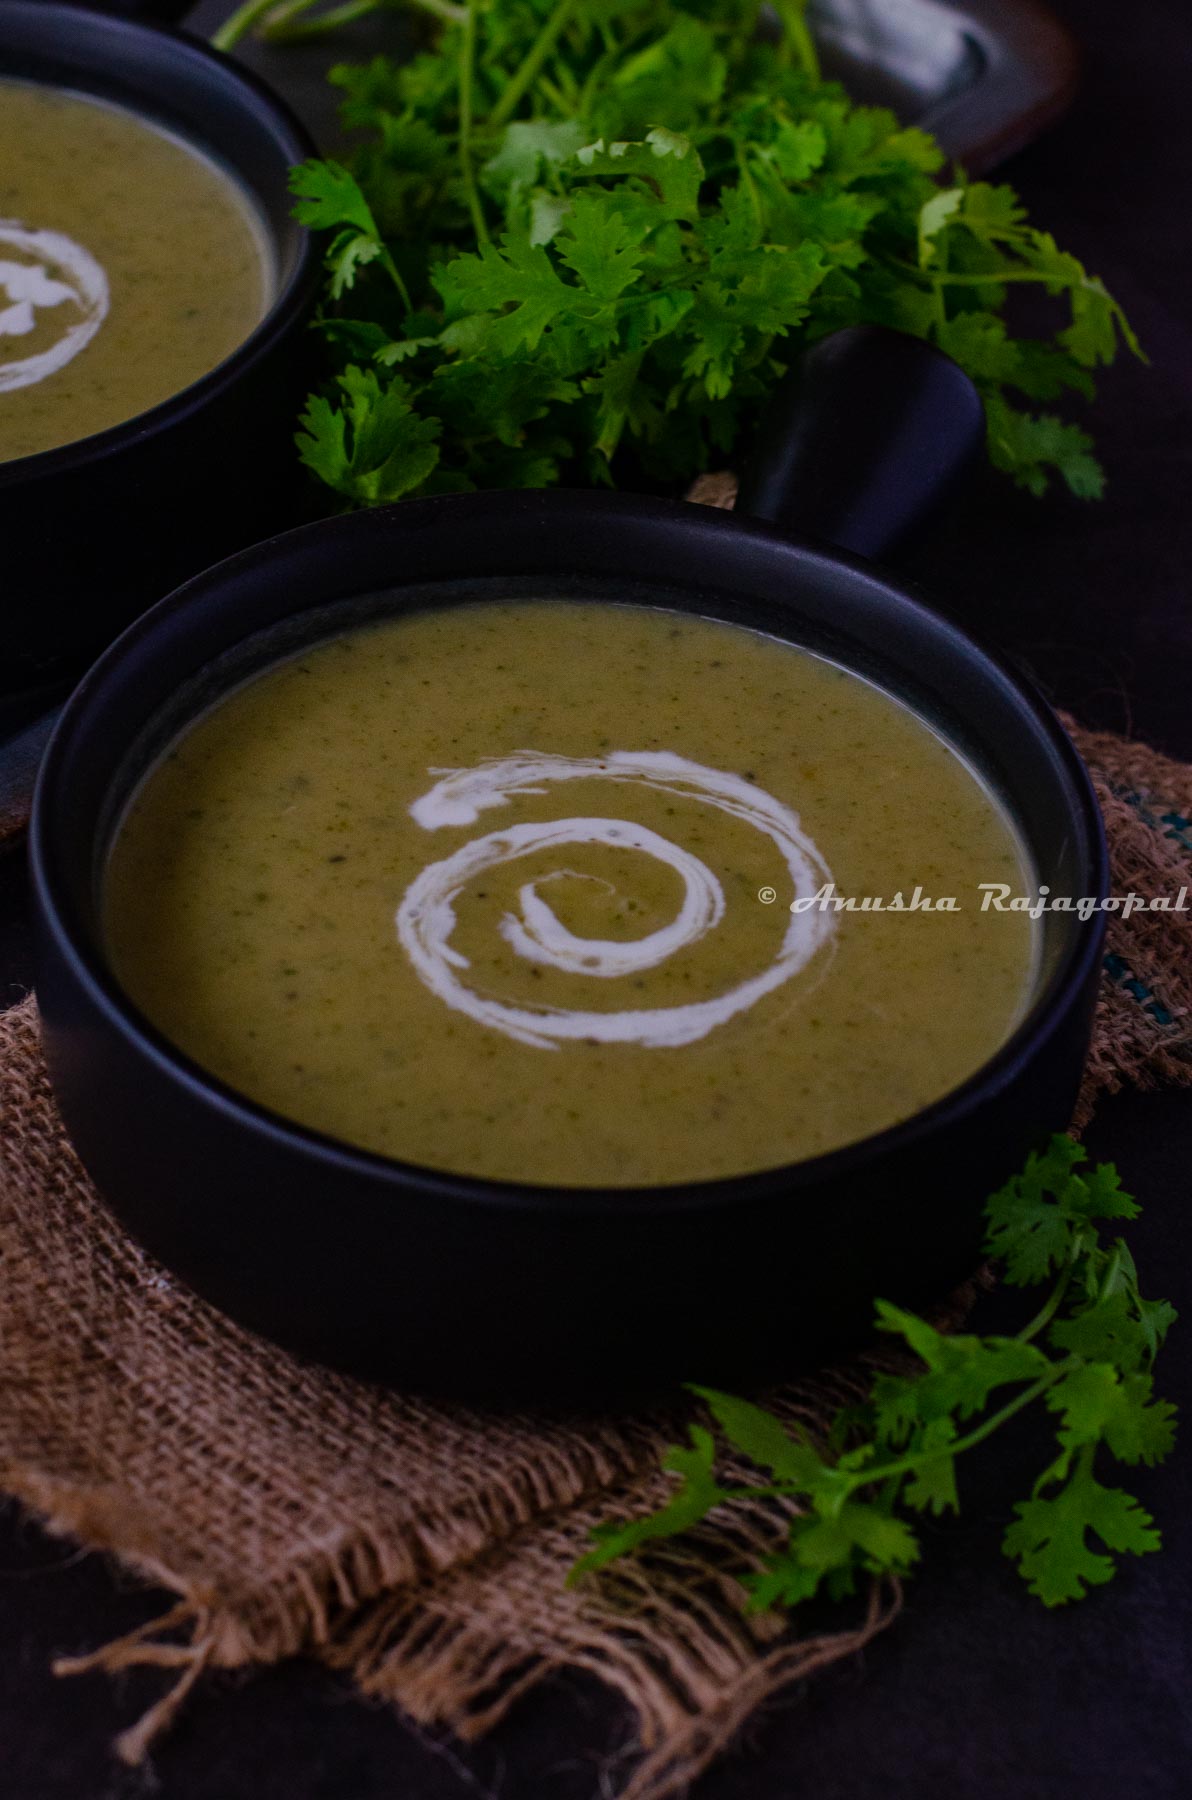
581,239
1086,1356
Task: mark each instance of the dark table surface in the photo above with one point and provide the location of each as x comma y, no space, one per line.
977,1691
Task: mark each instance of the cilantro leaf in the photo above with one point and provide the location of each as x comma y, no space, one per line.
858,1535
666,160
797,148
1030,1225
373,446
1097,1404
528,148
1049,1538
962,1372
697,1497
596,244
1109,1330
1099,1195
516,284
761,1437
932,1487
934,214
329,195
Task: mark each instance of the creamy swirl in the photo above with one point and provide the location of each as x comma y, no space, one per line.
54,273
426,918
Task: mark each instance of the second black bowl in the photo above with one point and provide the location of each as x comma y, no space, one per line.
97,530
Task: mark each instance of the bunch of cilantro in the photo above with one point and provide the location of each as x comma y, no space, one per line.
850,1499
580,240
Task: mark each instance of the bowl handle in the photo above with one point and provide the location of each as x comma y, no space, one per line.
863,440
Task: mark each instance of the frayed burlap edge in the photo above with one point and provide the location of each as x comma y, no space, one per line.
136,1421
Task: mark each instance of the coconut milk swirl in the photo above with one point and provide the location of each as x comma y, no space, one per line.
426,918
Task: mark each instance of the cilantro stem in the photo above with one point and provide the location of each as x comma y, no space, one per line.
440,9
914,1459
995,278
555,95
391,269
241,22
600,69
565,83
745,175
281,21
279,31
1112,1271
467,69
281,15
524,77
1054,1300
872,1474
287,26
792,16
998,279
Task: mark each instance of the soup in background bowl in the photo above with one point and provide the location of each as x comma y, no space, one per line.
155,291
131,263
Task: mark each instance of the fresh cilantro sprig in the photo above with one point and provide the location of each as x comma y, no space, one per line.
582,239
853,1495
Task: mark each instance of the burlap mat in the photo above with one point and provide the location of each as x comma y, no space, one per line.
423,1548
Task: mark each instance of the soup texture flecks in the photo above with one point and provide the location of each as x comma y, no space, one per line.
130,265
505,888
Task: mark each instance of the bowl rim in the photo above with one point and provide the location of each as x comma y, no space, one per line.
1058,993
294,290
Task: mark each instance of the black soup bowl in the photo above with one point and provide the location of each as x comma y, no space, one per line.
485,1288
98,529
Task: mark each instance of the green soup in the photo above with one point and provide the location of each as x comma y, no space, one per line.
506,889
130,265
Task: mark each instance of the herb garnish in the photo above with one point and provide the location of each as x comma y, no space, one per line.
581,239
1086,1356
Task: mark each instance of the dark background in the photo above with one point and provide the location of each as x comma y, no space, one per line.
977,1690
